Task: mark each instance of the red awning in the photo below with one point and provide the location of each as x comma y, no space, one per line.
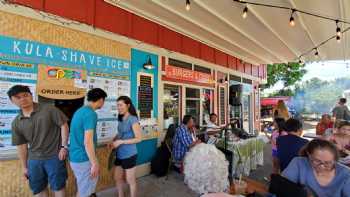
273,101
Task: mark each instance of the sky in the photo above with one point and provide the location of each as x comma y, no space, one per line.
328,70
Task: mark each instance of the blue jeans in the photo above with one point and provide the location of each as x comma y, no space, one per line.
42,172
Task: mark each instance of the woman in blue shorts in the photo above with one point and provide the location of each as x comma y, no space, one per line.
129,134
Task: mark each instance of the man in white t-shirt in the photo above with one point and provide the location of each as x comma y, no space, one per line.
212,127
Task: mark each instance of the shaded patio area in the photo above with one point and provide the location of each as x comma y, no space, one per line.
151,186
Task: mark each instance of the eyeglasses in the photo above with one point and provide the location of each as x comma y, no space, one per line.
318,163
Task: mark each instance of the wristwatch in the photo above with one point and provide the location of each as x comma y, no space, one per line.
63,146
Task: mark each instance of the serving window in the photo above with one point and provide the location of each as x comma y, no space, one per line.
193,103
207,104
171,99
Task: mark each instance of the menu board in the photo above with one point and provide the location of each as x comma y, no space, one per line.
72,72
107,123
222,105
145,97
12,73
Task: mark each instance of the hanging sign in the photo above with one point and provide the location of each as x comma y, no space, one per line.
60,82
56,72
172,72
39,53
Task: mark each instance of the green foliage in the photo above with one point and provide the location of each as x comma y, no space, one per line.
289,74
316,95
283,92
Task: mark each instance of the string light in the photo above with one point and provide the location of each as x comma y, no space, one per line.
338,28
326,41
338,39
339,31
300,60
245,12
293,9
291,19
188,5
316,53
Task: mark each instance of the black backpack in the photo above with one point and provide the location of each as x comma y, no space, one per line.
161,161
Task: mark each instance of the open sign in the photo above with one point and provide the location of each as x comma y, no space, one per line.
63,73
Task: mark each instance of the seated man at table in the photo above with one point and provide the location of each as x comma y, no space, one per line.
184,139
288,146
212,127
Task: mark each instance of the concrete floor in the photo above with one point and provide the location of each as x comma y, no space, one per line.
151,186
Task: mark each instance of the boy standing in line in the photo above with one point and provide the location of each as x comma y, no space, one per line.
83,141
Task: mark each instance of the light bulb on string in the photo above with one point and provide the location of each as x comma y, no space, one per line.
188,5
338,39
316,53
291,19
245,12
338,30
301,60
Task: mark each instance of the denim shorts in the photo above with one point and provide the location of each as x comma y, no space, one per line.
86,184
42,172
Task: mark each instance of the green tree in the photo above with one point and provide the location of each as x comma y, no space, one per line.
289,74
283,92
320,96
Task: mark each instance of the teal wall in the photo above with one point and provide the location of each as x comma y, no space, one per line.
138,58
147,148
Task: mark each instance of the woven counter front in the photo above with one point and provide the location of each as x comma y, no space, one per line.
13,184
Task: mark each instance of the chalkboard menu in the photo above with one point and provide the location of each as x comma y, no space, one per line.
222,105
145,96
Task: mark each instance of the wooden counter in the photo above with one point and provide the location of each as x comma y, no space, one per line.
13,184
